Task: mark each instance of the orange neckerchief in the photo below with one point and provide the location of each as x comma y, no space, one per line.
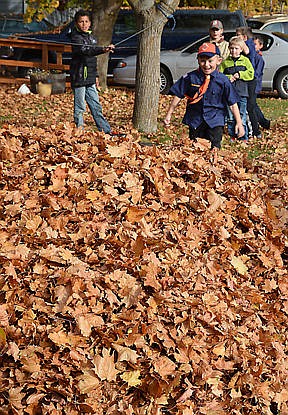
201,91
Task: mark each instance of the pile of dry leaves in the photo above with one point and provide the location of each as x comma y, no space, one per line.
139,280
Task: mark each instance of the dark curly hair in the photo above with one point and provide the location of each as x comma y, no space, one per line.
81,13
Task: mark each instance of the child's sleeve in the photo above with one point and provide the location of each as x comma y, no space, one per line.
225,69
248,73
179,88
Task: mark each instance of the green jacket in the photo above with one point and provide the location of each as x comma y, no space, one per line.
244,67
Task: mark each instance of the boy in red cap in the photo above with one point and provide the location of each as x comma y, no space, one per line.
208,92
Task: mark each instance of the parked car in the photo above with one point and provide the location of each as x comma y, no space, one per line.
186,26
175,63
269,23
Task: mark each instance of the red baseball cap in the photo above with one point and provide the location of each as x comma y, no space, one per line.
216,24
208,49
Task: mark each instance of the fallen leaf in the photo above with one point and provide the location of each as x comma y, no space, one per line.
105,366
132,377
239,265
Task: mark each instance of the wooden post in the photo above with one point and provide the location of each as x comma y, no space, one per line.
45,56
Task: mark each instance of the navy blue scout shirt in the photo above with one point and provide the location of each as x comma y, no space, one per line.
252,51
212,108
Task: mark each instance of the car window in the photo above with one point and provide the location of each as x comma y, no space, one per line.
254,24
273,27
125,24
195,46
285,27
267,42
188,22
192,48
199,23
282,36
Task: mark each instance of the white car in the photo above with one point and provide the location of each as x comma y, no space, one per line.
175,63
276,23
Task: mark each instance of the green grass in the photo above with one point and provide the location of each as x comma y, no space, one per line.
5,118
273,108
257,150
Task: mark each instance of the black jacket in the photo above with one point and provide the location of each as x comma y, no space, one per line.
83,66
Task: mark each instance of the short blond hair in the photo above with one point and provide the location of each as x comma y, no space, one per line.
237,41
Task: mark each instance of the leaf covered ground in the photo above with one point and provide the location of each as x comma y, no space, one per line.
139,280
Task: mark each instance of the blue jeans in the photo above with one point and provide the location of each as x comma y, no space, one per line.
242,105
90,95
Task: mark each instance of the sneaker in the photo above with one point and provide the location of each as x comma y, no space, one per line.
117,134
233,139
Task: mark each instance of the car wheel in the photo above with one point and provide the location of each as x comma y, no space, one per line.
165,80
282,84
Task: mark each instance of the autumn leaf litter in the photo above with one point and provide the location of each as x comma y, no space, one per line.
139,280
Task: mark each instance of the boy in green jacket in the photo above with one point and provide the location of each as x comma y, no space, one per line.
238,68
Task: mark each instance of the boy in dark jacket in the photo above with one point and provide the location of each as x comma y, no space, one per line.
83,72
208,93
259,68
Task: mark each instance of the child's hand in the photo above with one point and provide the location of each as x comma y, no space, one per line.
97,84
239,130
167,121
109,48
243,45
235,77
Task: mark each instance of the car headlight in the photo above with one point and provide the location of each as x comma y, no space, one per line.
121,64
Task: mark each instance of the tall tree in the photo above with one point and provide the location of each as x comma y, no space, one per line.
151,18
104,17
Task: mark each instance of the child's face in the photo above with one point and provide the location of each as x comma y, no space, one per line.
239,34
207,64
235,51
84,23
215,33
258,45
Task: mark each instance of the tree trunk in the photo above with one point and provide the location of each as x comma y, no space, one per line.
147,75
223,4
147,87
104,17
